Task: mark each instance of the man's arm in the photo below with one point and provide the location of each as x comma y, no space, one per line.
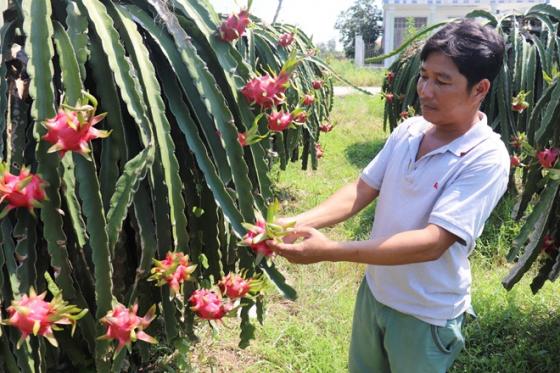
407,247
344,203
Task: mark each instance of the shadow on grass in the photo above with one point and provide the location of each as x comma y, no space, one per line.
360,154
511,340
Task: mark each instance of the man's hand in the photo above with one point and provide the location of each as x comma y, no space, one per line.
314,248
290,237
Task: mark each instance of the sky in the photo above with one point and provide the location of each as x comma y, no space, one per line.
315,17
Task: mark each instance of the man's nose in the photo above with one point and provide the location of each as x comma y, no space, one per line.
425,88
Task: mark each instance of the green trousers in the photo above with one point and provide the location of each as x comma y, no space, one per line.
387,341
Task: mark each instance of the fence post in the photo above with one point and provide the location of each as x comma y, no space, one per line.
359,51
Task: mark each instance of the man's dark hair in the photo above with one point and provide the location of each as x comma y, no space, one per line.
477,50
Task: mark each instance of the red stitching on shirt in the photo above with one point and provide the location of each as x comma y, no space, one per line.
436,185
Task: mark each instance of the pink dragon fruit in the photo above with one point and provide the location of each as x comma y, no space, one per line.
308,100
286,39
208,305
70,133
254,238
234,26
174,270
547,157
234,286
325,127
266,91
317,84
24,190
33,315
319,151
125,326
278,121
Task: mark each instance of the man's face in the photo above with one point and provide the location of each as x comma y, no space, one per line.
444,98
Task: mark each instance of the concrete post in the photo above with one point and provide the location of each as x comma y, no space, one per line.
359,51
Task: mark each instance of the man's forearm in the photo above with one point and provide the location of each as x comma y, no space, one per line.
408,247
343,204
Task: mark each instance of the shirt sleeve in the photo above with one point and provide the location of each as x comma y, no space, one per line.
373,173
467,202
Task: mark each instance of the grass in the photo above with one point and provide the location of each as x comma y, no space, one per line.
515,331
359,76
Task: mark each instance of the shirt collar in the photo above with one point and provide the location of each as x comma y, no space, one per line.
479,132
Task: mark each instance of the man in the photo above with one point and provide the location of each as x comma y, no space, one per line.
437,179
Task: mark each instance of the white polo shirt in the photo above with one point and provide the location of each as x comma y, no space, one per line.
455,187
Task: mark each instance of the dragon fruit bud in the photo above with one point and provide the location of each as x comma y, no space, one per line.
234,286
389,97
548,245
33,315
325,127
242,139
208,305
515,161
390,76
547,157
520,107
286,39
404,115
518,140
24,190
278,121
319,151
265,90
519,103
125,326
317,84
234,26
68,133
174,270
308,100
301,117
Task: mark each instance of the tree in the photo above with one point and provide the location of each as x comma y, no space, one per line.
277,11
363,18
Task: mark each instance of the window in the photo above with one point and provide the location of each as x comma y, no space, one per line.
401,26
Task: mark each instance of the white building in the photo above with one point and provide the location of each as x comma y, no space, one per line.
428,12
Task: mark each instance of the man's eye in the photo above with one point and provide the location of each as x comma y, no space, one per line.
439,82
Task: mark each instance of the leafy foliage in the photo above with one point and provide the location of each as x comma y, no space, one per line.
362,18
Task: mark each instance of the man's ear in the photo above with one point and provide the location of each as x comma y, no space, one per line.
481,89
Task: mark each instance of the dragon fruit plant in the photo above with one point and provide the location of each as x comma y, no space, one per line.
179,89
